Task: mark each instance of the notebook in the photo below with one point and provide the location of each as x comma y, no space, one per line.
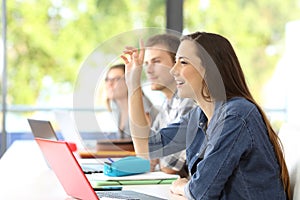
44,129
157,177
75,183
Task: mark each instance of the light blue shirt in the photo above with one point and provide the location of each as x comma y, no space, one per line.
232,158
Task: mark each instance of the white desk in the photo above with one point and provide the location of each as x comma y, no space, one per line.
25,175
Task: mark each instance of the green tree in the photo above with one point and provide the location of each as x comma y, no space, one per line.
52,38
253,27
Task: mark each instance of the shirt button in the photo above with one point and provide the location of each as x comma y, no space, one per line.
197,154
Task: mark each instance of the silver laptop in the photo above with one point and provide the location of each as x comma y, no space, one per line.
44,129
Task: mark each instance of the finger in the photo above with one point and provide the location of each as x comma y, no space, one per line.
125,59
130,47
171,188
141,43
129,52
135,58
142,50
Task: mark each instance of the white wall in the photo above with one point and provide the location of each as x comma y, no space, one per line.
283,89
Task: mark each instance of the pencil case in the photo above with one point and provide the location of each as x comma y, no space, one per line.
129,165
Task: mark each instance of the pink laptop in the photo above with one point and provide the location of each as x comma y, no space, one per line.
68,171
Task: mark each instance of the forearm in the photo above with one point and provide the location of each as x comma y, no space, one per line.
139,125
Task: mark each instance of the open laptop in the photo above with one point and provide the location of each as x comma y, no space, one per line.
68,129
44,129
106,144
75,183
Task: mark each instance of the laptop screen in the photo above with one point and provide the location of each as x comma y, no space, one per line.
67,169
42,129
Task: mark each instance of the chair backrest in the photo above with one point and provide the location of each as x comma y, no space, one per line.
290,138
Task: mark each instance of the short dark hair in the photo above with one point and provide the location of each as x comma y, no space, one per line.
169,41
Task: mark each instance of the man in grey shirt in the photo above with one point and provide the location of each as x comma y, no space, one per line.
171,111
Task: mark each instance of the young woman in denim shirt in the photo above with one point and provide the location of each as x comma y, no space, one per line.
232,150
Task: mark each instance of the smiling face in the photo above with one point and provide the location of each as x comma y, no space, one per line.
115,84
158,63
188,71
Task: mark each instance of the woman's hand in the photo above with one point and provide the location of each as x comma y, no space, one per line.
133,59
153,164
177,186
139,126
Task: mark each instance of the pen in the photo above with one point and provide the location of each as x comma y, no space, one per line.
111,160
108,188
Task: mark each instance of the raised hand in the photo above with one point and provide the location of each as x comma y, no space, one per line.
139,126
133,59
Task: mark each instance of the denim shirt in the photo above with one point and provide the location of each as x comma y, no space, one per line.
232,158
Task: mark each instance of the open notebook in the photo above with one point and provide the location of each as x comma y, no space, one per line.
158,177
62,161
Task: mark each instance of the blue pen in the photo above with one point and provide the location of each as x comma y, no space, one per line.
111,160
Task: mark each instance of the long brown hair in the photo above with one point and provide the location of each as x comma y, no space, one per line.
217,51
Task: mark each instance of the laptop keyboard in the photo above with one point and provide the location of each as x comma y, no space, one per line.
126,194
115,194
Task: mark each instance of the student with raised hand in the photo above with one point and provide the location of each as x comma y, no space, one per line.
232,150
158,60
117,99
